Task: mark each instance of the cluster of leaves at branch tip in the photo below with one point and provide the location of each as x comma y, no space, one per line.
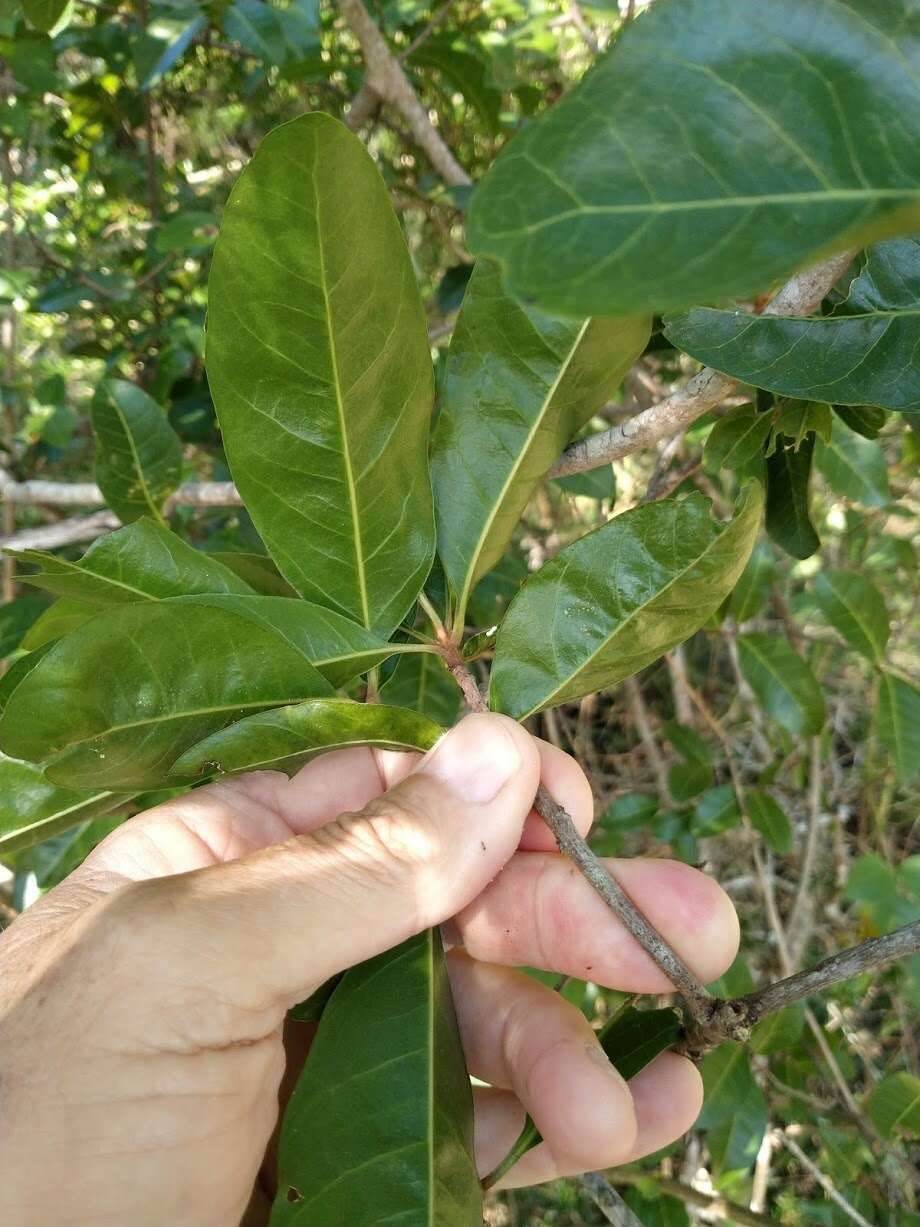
320,366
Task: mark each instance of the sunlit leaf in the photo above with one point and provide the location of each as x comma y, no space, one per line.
519,385
617,599
319,365
285,738
628,197
138,454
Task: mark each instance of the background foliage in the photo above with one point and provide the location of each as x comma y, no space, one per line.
123,128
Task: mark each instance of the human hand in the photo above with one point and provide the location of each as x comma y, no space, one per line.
142,1001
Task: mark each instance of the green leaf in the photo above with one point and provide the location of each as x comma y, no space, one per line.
752,590
855,607
624,198
798,418
894,1106
33,809
596,483
319,365
632,1038
284,738
380,1126
688,779
44,14
617,599
421,682
518,386
687,742
632,809
737,438
138,454
162,44
733,1143
19,669
862,354
897,723
788,518
769,818
58,620
866,420
143,561
123,696
17,617
339,648
727,1084
854,467
782,681
464,73
716,811
256,570
779,1031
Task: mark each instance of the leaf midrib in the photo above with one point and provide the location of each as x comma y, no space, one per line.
709,203
514,470
340,407
142,478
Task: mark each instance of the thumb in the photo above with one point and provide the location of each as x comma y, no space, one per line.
288,917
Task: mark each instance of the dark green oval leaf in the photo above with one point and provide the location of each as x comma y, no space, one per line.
855,607
421,681
625,198
144,561
788,518
319,365
122,697
287,737
380,1126
782,681
138,454
862,354
518,386
769,818
854,466
897,723
617,599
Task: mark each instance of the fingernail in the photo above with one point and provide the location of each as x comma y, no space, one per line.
476,759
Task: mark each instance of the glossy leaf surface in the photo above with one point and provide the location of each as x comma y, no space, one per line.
118,700
624,198
59,619
421,681
319,365
788,517
862,354
855,607
380,1126
143,561
782,681
33,809
339,648
736,438
854,466
897,723
617,599
287,737
633,1038
138,454
518,386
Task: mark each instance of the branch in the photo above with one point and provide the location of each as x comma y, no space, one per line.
385,78
717,1207
608,1200
799,296
699,1003
87,493
64,532
869,955
824,1181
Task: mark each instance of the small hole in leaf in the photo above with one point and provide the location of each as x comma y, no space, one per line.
294,1194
